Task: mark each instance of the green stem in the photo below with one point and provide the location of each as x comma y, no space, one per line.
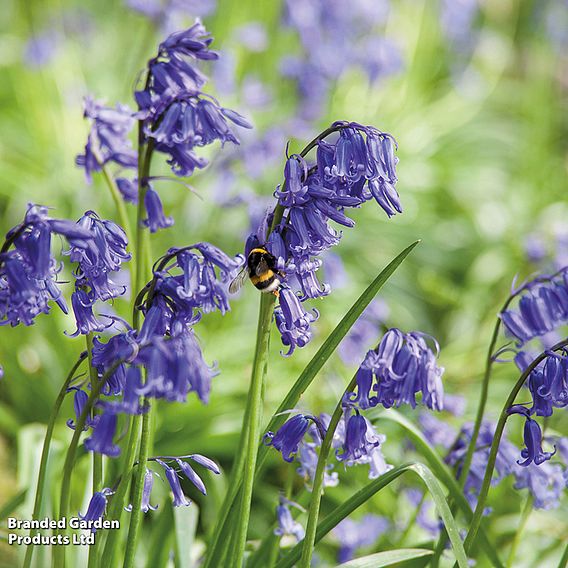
136,515
527,510
117,500
97,458
564,560
45,454
478,513
317,489
118,201
65,499
259,370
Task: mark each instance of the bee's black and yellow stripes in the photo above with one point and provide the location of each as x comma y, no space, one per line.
267,279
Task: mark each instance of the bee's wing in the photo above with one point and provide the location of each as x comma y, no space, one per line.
238,281
262,267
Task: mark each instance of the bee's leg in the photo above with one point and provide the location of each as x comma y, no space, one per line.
276,293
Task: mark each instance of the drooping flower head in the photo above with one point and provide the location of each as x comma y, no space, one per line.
291,433
97,506
177,115
287,526
399,368
108,140
28,271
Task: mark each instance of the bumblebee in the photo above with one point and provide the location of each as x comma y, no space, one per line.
261,269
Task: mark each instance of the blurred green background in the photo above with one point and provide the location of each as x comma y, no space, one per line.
479,113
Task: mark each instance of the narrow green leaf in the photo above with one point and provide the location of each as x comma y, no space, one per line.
367,492
185,521
220,538
9,507
388,558
442,471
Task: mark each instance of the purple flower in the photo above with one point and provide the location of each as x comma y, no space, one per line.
176,114
287,526
79,401
97,506
427,518
543,307
101,440
291,433
171,475
437,432
533,439
146,493
156,219
28,271
402,365
293,321
40,49
360,440
353,535
108,138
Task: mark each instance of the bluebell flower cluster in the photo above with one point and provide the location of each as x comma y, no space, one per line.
400,367
358,166
28,271
354,535
96,260
176,114
172,473
108,140
543,307
187,283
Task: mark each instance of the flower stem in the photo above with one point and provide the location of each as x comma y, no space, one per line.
136,515
117,500
527,510
45,453
564,560
97,458
317,489
478,513
259,370
59,550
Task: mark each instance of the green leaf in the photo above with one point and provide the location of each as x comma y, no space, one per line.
223,530
442,471
9,507
388,558
185,521
362,496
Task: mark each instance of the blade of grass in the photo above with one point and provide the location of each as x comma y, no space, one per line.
387,558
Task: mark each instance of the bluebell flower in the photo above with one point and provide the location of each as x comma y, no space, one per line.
156,219
97,506
291,433
41,48
287,526
402,365
83,309
543,306
293,321
80,399
128,189
171,475
108,138
101,440
360,439
533,439
354,535
145,505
